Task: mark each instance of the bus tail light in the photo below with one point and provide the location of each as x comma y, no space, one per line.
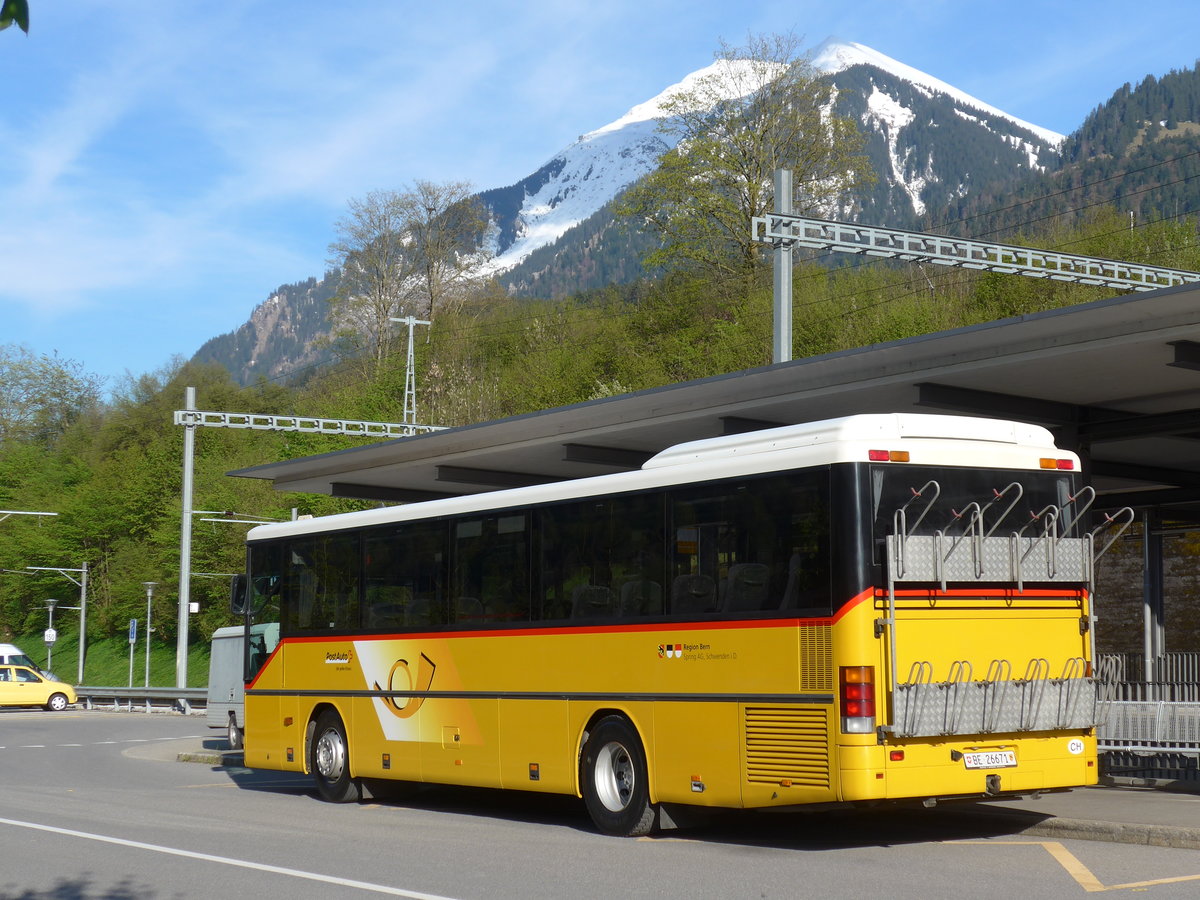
887,455
858,699
1050,463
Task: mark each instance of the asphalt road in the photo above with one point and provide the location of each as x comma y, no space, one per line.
96,805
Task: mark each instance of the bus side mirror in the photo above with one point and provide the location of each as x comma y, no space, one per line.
237,595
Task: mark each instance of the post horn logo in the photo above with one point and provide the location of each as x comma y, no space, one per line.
404,679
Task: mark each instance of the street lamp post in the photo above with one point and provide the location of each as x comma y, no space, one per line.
51,635
149,586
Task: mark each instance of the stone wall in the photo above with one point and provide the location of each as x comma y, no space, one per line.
1119,578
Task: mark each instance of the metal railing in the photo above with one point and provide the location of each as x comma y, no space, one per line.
151,699
1176,667
1146,721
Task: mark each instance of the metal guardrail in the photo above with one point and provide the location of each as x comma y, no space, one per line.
184,700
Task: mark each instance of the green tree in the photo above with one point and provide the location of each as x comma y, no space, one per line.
15,11
41,395
758,108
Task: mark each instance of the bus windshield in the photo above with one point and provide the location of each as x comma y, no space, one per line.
262,607
948,499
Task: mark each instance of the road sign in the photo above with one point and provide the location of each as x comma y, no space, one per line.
133,631
50,636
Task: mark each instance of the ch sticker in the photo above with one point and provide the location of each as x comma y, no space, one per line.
404,679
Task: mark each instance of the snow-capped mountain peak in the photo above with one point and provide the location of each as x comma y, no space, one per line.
579,180
721,72
835,55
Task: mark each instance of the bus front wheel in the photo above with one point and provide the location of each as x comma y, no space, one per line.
614,780
331,760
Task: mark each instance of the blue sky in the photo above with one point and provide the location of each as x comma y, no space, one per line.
166,165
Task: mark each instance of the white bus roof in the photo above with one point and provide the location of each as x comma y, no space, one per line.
932,439
878,427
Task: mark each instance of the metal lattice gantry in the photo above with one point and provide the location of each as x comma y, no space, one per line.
784,231
192,418
5,513
302,424
410,371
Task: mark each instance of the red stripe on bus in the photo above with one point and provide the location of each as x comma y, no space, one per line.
987,593
632,628
685,625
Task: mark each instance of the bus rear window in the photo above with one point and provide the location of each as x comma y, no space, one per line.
928,500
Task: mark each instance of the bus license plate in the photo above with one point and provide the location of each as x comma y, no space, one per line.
995,759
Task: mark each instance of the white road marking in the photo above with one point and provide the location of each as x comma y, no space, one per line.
228,861
186,737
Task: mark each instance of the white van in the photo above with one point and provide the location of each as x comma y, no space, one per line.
226,693
12,655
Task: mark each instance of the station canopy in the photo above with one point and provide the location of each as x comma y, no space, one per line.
1117,380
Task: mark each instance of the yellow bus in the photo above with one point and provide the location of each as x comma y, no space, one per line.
874,608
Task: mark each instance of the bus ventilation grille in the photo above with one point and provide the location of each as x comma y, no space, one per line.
787,744
816,658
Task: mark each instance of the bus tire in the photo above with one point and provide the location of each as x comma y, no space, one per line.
614,781
331,760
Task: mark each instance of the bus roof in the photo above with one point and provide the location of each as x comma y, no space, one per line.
888,427
945,441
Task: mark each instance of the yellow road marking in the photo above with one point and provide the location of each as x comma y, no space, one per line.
1145,884
1082,874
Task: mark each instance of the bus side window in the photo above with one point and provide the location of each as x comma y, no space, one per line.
323,584
635,529
490,561
752,547
405,576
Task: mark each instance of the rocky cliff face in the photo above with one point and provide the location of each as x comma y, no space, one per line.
278,341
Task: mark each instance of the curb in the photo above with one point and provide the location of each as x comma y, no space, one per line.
1173,836
1034,824
212,757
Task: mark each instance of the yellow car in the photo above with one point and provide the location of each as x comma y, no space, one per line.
22,686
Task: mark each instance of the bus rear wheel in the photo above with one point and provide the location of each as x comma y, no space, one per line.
330,757
614,780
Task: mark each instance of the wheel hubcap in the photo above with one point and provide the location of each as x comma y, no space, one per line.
331,755
614,776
